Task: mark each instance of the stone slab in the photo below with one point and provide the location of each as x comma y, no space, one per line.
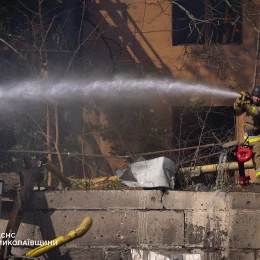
245,200
149,199
222,229
188,200
207,229
244,229
114,228
146,199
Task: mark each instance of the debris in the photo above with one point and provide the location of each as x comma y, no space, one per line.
155,173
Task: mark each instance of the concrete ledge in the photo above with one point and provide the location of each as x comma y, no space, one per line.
218,225
125,199
145,199
244,200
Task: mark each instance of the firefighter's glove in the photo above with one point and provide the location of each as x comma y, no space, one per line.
238,103
251,109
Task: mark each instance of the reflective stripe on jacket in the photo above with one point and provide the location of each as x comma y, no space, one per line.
252,139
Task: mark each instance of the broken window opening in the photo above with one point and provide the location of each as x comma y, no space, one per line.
207,125
206,21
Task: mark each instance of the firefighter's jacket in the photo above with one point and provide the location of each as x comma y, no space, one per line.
252,119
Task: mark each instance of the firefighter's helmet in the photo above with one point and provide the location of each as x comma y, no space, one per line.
256,91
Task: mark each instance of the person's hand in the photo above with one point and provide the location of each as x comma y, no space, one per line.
251,109
238,102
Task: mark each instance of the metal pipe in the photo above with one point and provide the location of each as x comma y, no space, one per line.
109,156
211,168
51,167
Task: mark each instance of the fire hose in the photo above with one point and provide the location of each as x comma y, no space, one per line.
59,241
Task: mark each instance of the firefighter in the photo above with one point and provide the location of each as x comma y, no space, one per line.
251,106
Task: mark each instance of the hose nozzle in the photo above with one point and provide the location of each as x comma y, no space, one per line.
245,96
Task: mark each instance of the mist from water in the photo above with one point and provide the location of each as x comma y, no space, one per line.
119,87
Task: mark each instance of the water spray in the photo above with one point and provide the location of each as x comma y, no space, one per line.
115,88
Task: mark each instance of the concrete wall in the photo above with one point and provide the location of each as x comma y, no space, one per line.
216,225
